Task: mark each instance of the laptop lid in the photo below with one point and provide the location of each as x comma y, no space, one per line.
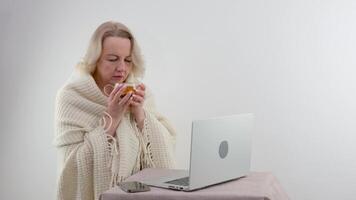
220,149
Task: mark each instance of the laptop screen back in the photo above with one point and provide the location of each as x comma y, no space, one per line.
220,149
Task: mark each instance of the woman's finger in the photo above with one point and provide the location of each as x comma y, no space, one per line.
118,94
137,98
140,93
133,103
125,98
114,91
141,86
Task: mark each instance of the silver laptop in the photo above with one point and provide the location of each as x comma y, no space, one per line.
220,151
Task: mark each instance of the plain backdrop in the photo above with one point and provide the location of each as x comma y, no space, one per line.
291,62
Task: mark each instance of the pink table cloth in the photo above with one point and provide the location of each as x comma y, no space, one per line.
255,186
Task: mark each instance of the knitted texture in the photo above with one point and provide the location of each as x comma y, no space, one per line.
90,160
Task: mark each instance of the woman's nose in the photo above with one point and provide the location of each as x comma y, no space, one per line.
120,65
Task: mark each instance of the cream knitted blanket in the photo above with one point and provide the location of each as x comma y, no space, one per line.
90,161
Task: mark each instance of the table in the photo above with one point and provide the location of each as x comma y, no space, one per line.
255,186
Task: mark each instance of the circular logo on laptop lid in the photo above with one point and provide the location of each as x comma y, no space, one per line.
223,149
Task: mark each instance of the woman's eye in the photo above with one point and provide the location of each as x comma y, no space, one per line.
128,61
113,60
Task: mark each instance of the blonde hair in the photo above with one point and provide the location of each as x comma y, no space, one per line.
111,29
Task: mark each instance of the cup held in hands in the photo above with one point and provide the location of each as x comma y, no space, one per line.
129,87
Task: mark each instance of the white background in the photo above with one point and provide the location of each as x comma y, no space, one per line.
292,63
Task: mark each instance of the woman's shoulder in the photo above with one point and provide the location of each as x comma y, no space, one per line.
77,79
74,85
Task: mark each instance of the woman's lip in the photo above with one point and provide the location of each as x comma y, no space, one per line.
117,78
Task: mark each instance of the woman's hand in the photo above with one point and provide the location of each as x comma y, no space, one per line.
117,107
137,102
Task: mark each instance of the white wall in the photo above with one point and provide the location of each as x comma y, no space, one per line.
292,63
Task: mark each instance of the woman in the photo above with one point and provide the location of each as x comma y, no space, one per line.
104,134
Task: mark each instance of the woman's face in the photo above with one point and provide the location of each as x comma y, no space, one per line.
115,62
